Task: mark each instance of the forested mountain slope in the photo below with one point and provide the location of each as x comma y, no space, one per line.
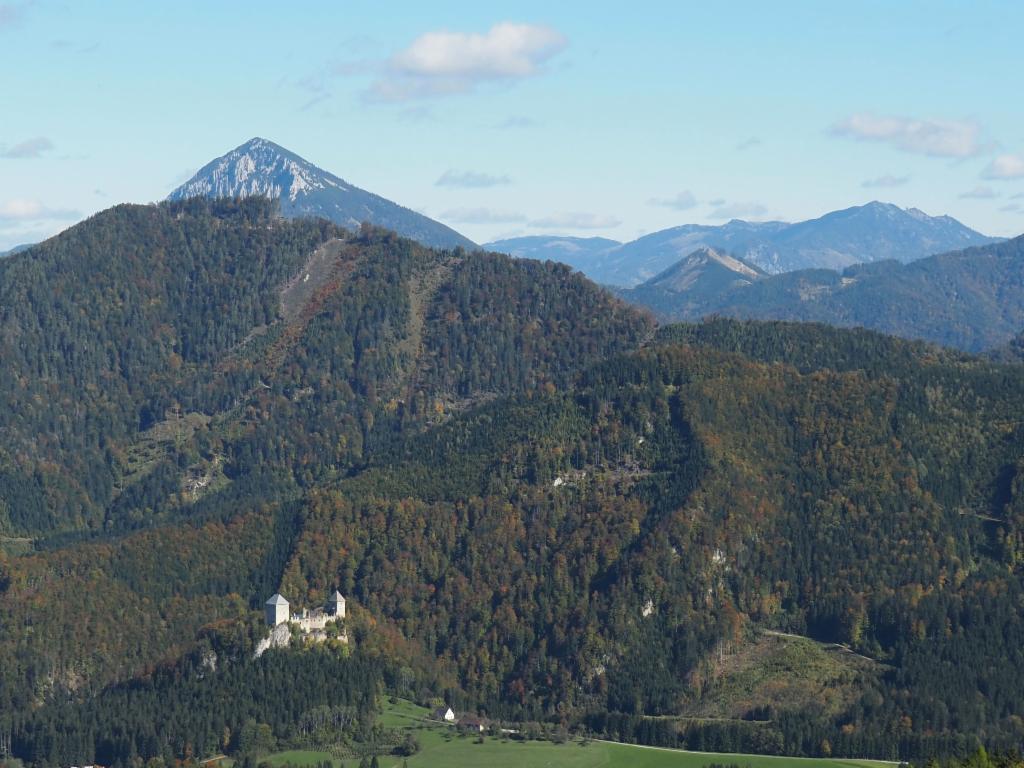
534,501
114,333
200,366
103,322
870,501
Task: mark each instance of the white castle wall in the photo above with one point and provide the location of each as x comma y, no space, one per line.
311,623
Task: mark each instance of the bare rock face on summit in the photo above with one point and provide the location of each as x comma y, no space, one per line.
261,167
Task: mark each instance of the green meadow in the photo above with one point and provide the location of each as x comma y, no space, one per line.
442,747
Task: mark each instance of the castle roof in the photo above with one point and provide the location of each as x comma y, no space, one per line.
277,600
336,597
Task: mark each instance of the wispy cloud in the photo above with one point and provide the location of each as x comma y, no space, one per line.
421,113
357,59
317,99
935,138
576,220
482,216
470,179
1005,167
318,81
682,201
68,45
979,193
738,211
11,14
749,143
443,63
21,210
30,148
184,176
1011,208
516,121
885,182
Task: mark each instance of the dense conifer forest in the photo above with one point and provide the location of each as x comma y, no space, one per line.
541,506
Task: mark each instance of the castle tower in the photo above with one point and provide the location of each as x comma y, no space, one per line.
336,605
276,610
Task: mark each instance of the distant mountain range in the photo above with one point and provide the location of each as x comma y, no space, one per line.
972,299
261,167
863,234
15,249
578,252
685,289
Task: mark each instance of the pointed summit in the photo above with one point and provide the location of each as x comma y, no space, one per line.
694,282
705,270
261,167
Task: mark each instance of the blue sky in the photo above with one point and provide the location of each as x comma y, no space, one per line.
501,119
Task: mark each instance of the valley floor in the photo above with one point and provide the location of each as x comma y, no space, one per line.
443,747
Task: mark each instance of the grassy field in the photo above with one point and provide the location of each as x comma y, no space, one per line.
442,747
404,714
300,757
14,546
784,672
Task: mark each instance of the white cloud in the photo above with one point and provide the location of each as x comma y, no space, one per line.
886,182
32,210
30,148
1005,167
738,211
443,63
980,193
506,50
936,138
576,220
748,143
1011,208
683,201
470,179
482,216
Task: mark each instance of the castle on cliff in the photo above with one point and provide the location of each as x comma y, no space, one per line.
278,611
